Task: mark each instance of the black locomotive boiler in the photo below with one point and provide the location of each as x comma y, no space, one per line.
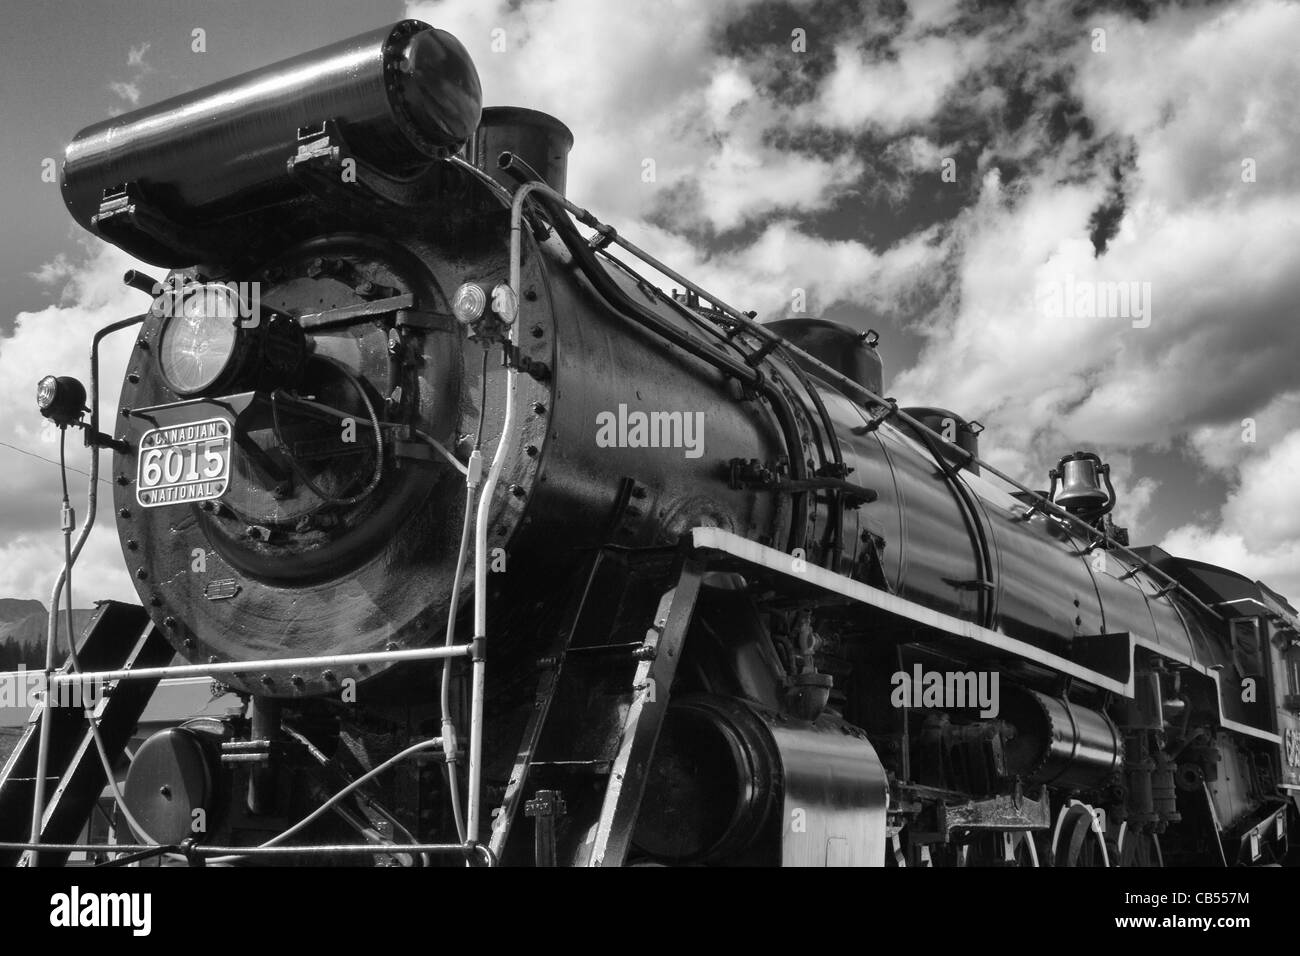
512,556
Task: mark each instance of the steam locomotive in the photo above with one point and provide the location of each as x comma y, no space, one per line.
512,556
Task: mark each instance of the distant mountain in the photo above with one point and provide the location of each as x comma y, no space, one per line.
32,630
23,631
16,609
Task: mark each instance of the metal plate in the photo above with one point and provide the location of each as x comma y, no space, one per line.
183,463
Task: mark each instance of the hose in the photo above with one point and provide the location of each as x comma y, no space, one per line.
332,801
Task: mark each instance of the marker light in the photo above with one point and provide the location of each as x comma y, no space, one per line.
505,303
199,343
468,303
61,399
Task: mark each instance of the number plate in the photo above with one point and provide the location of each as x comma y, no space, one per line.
183,463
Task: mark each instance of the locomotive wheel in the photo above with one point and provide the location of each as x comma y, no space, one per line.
1131,848
999,848
1078,839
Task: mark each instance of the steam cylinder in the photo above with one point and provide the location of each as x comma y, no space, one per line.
403,96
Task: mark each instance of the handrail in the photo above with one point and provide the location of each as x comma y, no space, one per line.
262,666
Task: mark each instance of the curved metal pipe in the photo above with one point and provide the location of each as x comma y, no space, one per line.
504,445
518,169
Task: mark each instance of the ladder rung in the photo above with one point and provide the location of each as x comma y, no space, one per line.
599,766
595,648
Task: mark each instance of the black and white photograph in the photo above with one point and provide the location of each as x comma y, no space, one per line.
733,434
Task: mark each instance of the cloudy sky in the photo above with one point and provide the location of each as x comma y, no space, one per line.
947,173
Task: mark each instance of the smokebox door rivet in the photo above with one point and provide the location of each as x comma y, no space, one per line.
141,573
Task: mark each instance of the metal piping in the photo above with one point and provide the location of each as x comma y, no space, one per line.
51,634
845,384
504,443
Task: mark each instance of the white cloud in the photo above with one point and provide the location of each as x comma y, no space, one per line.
56,340
130,92
1222,257
135,57
638,81
1201,90
1257,530
645,80
1224,447
899,94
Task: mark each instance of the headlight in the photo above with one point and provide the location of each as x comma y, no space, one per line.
61,399
47,390
198,344
505,303
468,303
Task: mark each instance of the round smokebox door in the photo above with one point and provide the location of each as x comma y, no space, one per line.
170,778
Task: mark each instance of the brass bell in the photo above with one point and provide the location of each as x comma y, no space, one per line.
1080,478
